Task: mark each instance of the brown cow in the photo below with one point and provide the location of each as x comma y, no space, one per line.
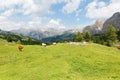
20,47
118,47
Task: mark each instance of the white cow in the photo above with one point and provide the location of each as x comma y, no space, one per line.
54,43
78,43
43,44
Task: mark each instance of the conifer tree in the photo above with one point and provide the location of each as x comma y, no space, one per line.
78,37
87,36
111,35
9,38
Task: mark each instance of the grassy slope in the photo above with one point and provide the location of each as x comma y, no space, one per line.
59,62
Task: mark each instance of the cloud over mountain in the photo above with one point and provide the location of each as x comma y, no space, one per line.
15,14
101,9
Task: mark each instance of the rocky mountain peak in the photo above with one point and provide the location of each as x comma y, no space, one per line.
116,14
114,21
99,24
96,27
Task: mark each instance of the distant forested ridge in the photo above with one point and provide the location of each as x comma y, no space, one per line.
18,38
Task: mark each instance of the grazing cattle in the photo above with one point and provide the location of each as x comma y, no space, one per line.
54,43
78,43
118,47
74,43
43,44
84,44
20,47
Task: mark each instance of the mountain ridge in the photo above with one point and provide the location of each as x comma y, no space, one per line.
96,27
114,20
45,33
100,26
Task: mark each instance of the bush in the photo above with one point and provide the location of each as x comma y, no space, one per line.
9,38
109,43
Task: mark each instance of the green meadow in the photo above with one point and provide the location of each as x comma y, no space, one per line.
59,62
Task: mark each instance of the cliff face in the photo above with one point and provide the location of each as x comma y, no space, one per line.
114,21
100,26
96,27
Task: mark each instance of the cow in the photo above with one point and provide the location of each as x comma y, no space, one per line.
43,44
20,47
118,47
54,43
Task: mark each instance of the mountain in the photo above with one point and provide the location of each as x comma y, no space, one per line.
45,33
114,21
101,25
16,37
60,38
39,33
96,27
67,35
4,34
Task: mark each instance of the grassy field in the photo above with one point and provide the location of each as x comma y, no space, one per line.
59,62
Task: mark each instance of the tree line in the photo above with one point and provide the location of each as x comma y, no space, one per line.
109,38
11,37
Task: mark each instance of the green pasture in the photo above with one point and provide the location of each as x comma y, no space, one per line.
59,62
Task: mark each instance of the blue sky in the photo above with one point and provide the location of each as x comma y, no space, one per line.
15,14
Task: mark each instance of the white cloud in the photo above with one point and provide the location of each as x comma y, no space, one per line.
55,24
35,23
50,12
9,8
27,8
9,3
6,24
101,9
8,13
71,6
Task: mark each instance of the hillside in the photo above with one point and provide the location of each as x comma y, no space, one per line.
60,38
59,62
16,37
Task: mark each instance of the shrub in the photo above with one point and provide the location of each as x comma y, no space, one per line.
109,43
9,38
